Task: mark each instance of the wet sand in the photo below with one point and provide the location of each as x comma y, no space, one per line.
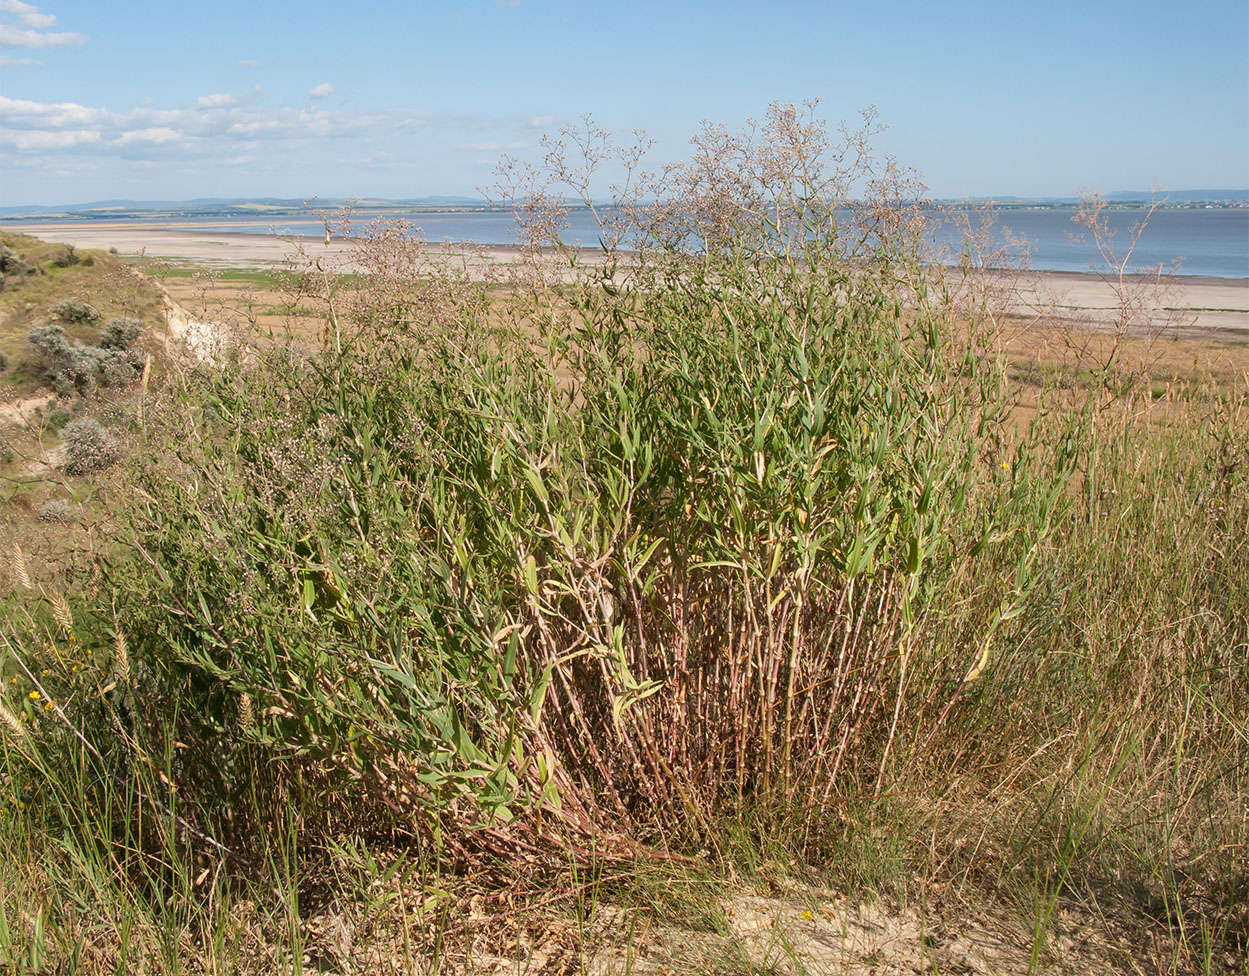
1209,308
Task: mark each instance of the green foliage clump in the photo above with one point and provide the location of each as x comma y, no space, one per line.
77,313
67,258
649,556
58,418
89,447
10,261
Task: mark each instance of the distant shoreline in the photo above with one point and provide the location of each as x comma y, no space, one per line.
1209,307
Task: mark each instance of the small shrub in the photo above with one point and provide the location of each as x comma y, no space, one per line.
89,447
68,258
4,360
10,261
77,312
69,366
119,333
58,510
6,451
58,418
120,367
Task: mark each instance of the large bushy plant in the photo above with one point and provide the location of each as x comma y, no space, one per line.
665,543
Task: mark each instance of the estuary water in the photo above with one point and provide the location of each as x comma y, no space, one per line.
1208,242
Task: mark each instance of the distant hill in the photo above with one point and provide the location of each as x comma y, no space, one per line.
279,206
1178,196
1121,196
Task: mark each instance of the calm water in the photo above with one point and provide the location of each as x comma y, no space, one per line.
1212,243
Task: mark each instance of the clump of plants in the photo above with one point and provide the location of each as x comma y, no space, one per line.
76,313
10,261
59,511
88,446
68,257
12,267
72,367
650,556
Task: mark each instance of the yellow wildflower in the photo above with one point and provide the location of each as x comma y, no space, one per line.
35,696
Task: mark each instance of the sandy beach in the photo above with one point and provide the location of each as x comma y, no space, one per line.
1189,306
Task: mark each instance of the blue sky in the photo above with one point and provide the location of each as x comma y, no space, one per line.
180,100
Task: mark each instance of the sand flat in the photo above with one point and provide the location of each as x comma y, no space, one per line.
1198,307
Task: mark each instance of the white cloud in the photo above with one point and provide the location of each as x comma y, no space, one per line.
155,135
31,29
321,90
239,133
250,63
256,126
219,100
39,114
541,121
28,14
11,36
8,62
42,139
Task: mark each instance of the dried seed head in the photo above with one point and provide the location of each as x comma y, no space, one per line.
10,722
19,568
121,657
247,714
60,611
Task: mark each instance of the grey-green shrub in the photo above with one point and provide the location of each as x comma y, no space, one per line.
78,313
89,447
58,510
72,367
69,366
119,333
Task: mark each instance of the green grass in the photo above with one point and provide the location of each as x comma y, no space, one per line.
251,276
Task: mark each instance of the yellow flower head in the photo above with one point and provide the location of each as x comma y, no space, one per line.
35,696
48,706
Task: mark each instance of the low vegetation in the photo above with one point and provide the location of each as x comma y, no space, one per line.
726,557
